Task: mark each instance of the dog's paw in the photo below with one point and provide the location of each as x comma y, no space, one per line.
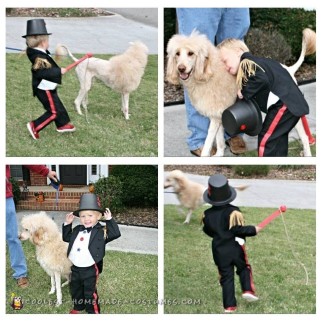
58,303
186,222
52,291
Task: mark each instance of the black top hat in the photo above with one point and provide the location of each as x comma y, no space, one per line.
36,27
242,117
219,192
89,201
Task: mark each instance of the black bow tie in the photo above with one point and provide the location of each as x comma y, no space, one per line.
83,228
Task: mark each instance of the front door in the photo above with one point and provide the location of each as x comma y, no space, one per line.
73,174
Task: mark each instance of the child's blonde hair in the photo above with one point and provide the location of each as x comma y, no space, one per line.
247,67
35,41
232,43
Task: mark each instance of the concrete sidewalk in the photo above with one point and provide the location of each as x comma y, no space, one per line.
263,193
133,239
176,131
98,35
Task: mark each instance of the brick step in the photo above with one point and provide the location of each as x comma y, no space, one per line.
52,194
64,204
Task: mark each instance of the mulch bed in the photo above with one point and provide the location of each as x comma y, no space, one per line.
307,172
147,217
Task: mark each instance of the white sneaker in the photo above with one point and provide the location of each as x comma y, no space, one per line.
249,297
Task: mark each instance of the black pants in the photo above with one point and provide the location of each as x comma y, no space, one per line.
273,138
227,259
55,110
83,289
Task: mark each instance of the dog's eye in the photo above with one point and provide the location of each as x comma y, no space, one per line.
190,53
178,53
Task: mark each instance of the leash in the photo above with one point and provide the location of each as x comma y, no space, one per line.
269,219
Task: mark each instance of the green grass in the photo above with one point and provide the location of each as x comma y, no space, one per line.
128,284
295,149
191,277
106,134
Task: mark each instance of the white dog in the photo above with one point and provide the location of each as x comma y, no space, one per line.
51,251
195,62
121,73
189,193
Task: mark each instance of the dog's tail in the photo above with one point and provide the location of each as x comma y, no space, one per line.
308,48
62,50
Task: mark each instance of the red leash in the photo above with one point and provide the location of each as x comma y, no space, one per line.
271,217
69,67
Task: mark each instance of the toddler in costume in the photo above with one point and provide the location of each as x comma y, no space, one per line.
86,251
224,223
46,75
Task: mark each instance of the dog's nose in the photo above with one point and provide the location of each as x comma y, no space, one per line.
181,68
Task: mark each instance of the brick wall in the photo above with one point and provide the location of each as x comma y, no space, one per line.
37,179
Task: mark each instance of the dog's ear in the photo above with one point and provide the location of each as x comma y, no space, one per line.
38,236
203,63
172,73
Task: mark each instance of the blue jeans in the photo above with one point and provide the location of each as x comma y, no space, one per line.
17,257
217,24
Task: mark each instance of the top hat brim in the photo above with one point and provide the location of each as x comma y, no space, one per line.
37,34
76,212
222,202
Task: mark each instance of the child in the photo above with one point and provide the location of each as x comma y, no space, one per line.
256,78
225,224
45,76
86,251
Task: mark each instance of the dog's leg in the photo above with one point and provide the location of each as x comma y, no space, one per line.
53,287
58,289
212,132
220,140
188,217
125,105
304,139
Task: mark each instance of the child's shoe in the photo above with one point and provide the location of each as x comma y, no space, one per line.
230,309
66,128
74,312
32,131
249,297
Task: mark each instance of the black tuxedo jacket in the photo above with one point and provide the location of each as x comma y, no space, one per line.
52,74
97,242
276,79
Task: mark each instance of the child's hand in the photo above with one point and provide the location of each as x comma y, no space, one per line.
239,94
258,229
69,218
107,214
63,70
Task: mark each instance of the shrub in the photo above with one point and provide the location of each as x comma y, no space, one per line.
109,190
270,44
140,184
251,170
169,24
15,190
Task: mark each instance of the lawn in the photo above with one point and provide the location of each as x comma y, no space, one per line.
128,284
106,134
191,277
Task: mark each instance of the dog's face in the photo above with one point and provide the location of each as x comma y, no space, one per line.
175,180
188,56
38,229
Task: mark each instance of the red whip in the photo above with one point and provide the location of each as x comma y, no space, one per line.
69,67
307,130
271,217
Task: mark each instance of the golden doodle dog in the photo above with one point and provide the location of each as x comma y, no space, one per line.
51,251
194,62
122,73
189,193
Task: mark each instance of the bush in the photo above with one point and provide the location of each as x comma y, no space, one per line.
251,170
169,25
270,44
289,22
109,190
15,190
140,184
